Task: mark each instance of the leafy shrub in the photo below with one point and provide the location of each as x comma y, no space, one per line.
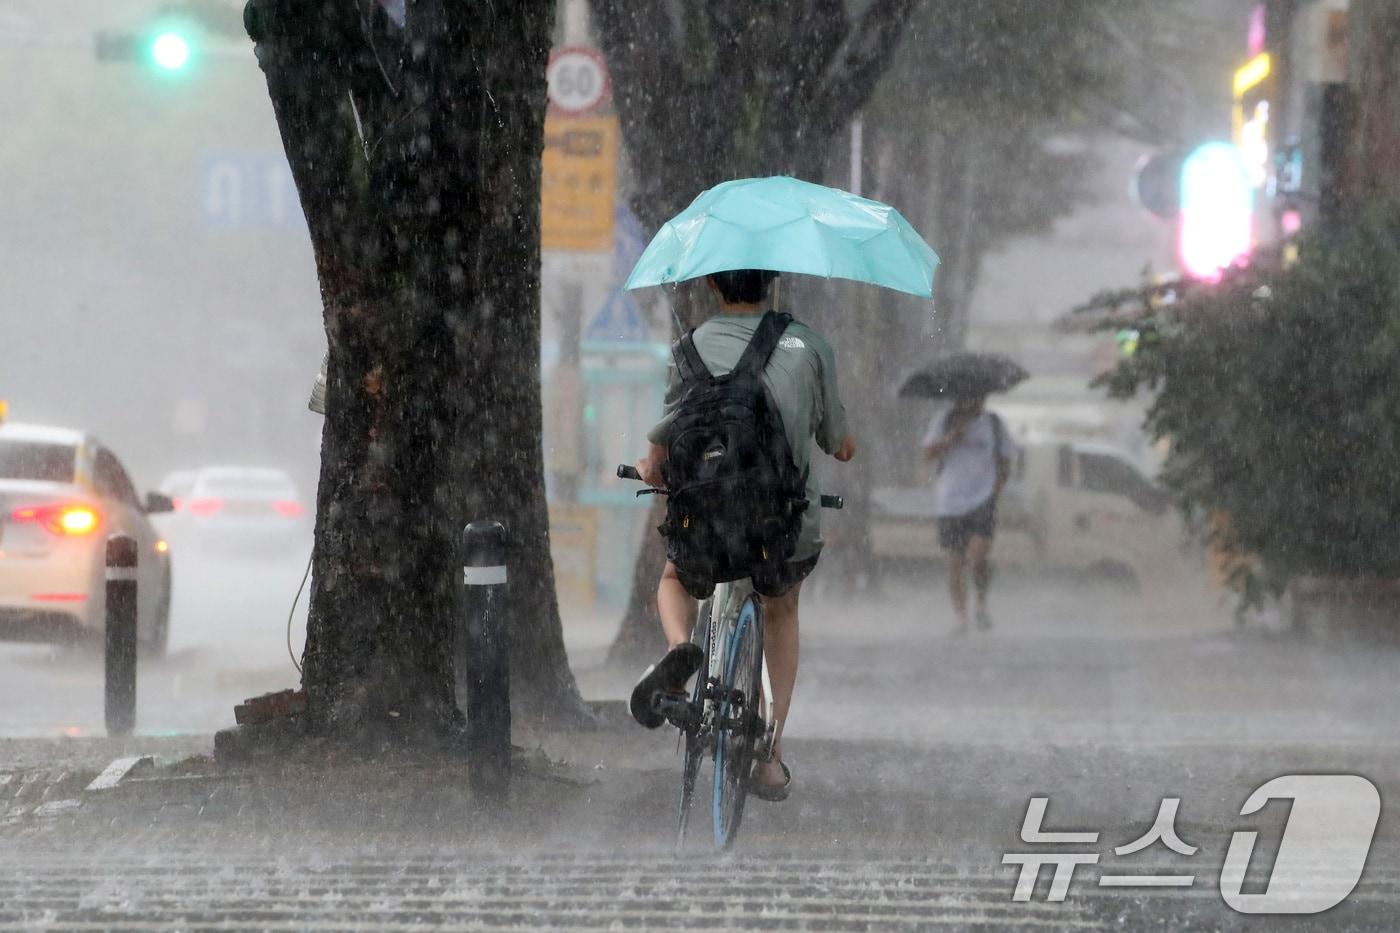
1279,393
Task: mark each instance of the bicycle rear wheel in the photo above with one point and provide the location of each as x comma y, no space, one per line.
690,770
741,675
694,743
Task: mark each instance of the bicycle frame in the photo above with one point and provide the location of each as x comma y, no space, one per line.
715,623
716,712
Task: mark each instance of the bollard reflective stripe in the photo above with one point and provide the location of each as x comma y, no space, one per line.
484,576
121,573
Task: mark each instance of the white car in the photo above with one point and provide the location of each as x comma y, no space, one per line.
62,494
237,508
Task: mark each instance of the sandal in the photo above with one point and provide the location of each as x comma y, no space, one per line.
670,673
773,793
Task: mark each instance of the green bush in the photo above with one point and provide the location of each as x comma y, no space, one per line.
1279,393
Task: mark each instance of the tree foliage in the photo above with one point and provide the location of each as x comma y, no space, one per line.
733,88
1276,391
975,119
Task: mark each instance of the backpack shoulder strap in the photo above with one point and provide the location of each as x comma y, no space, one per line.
764,342
688,361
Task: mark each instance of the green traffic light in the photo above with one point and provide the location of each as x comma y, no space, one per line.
170,51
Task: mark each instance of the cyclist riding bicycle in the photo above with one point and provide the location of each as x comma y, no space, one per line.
799,379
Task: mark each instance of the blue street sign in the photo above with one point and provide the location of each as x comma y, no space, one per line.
618,320
248,191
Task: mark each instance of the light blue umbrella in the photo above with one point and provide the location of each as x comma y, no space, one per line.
786,225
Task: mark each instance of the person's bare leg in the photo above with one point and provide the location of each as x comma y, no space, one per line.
677,611
957,587
780,648
979,551
675,606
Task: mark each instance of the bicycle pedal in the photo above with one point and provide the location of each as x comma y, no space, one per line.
675,705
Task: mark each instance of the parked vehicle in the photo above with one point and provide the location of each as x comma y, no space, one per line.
177,486
231,508
62,494
1073,506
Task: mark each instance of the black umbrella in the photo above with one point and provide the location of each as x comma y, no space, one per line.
965,375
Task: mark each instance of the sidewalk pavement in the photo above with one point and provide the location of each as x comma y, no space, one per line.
878,835
914,758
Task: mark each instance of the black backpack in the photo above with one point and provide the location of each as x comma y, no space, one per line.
735,496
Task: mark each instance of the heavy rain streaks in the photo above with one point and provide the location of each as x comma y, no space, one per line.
1090,360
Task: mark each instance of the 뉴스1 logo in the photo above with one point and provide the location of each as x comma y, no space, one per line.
1320,857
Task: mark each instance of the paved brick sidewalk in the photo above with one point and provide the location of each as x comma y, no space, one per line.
417,889
879,837
147,883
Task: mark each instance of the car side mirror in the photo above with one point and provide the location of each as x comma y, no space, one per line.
157,502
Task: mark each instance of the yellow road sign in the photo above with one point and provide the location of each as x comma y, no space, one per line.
573,546
579,183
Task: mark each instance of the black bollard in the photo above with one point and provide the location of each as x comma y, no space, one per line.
121,634
486,656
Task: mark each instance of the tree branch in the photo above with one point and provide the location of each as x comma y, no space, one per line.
857,65
651,90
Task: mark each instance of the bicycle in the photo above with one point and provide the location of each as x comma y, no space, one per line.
726,715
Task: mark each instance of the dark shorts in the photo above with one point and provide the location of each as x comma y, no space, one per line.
785,576
955,531
770,581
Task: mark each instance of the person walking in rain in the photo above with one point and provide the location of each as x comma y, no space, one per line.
974,453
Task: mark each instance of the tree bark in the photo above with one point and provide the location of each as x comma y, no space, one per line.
639,637
959,239
416,159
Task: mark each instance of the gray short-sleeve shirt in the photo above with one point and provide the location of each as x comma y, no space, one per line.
800,378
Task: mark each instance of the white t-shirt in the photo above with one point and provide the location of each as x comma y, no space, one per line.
968,474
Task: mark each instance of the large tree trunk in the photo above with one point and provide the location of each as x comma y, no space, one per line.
954,224
416,160
639,638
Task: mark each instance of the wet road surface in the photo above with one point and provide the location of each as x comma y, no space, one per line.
914,754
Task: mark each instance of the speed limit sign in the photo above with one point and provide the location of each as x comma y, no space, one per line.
578,80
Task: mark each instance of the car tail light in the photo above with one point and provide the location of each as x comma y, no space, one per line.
288,507
205,506
69,520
